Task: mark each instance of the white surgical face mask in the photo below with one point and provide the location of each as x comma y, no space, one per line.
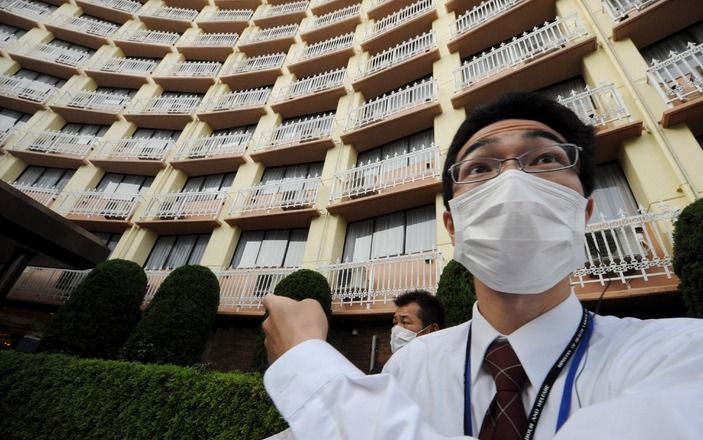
400,336
519,233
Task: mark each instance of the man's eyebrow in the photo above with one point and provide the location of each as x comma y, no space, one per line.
532,134
475,145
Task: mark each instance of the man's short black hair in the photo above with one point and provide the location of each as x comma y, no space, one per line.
533,107
431,309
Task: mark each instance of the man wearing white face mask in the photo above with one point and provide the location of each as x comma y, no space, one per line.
532,363
417,313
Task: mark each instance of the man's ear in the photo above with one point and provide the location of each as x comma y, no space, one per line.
449,224
590,207
433,327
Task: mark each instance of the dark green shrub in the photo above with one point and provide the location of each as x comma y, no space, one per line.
456,292
688,256
57,397
100,314
175,326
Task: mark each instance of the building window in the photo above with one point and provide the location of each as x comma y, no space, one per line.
41,177
301,171
564,88
41,77
280,248
211,183
124,184
408,144
677,43
172,251
110,240
611,193
10,119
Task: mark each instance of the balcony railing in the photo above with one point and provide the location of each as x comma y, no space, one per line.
23,88
278,10
380,280
392,171
619,9
177,105
384,106
267,34
332,17
679,77
189,69
213,146
135,66
86,25
598,106
108,102
226,15
53,54
170,13
283,194
114,206
135,149
254,64
173,206
548,38
309,129
42,195
246,287
120,5
479,15
36,10
44,284
398,54
56,142
323,47
149,37
231,101
209,40
400,17
312,84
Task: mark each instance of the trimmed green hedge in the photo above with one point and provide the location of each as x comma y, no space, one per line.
54,396
456,292
688,256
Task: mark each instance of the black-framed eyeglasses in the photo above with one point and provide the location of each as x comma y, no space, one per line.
544,159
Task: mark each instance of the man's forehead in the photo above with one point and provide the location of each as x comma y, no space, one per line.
508,126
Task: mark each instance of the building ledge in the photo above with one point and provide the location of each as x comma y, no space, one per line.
314,102
209,165
689,112
299,152
657,21
274,219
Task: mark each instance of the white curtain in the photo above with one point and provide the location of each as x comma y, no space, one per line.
181,251
388,235
296,248
357,246
420,231
160,252
247,249
199,249
273,249
611,193
30,176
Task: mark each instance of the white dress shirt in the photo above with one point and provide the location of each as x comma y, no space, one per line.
639,380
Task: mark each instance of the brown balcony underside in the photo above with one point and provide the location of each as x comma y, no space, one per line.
17,20
99,223
209,165
84,39
518,19
180,226
251,80
187,4
386,8
655,285
316,102
324,8
278,2
266,47
238,4
85,116
116,79
393,127
235,117
44,66
657,21
461,6
23,297
312,151
127,166
164,24
23,105
205,53
140,49
323,63
106,13
222,26
279,20
535,74
161,121
400,33
274,219
388,200
41,159
609,139
690,112
396,75
190,84
340,27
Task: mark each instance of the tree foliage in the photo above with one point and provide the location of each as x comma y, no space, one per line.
688,256
456,292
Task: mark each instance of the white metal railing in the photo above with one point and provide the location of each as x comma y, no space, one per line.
148,37
265,11
396,102
107,102
86,25
119,5
597,106
400,17
165,105
170,13
627,248
23,88
254,64
619,9
246,287
213,146
189,69
135,149
27,8
56,142
236,100
209,40
296,132
401,52
479,15
173,206
53,54
332,17
380,280
375,176
680,76
323,47
225,15
134,66
550,37
42,195
312,84
282,194
113,206
47,284
265,34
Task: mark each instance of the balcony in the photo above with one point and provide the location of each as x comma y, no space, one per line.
207,47
631,254
50,59
183,212
242,290
187,76
332,24
262,41
288,203
371,286
679,82
396,66
237,4
88,32
24,14
224,20
400,26
323,56
145,43
46,285
54,148
130,73
24,94
42,195
648,21
246,73
195,4
313,94
544,56
142,156
392,116
89,107
604,108
269,15
234,109
116,11
321,7
167,113
100,211
496,21
211,154
166,18
294,142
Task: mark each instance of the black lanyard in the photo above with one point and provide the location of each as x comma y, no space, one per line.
584,331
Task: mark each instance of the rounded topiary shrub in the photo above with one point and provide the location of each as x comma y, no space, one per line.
100,314
688,256
456,292
177,322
